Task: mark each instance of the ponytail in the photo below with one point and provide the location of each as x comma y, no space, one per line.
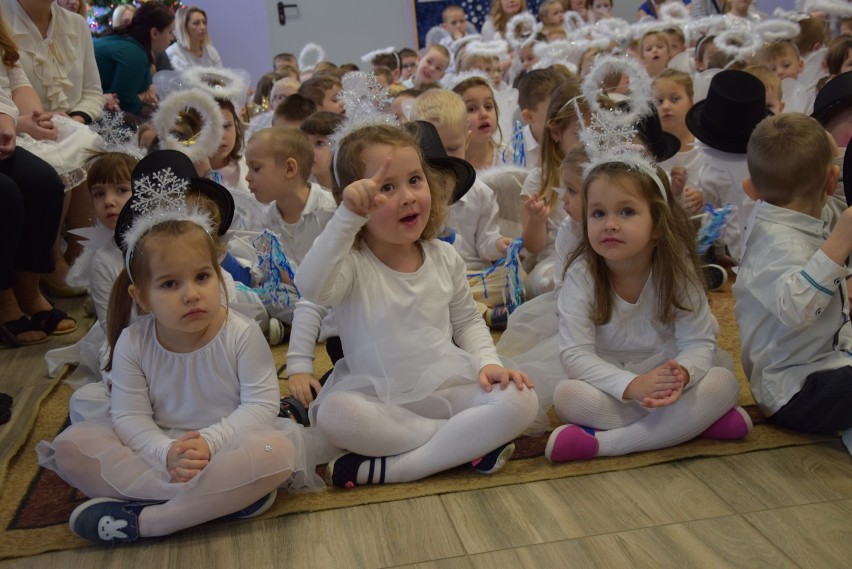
120,309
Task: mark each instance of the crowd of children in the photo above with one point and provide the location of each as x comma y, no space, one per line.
552,176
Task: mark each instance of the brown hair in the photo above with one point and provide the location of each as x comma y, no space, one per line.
285,143
162,235
675,266
349,167
264,87
390,60
775,49
316,87
109,168
535,86
239,140
480,82
771,81
322,123
838,51
784,153
679,77
7,45
561,112
812,33
294,108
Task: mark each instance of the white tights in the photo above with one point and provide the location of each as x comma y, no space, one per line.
628,427
419,441
200,503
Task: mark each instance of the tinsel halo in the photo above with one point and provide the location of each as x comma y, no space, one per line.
208,139
739,44
640,89
520,28
776,29
310,50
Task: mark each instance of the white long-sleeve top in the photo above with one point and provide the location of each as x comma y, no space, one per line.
226,385
474,218
599,355
61,66
297,238
182,59
11,78
372,301
107,263
791,305
721,182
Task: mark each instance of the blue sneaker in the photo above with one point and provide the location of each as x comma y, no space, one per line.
107,520
255,508
494,460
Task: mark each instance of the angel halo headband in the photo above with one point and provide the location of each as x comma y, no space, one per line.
609,135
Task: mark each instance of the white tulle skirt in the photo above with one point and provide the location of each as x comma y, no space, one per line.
132,477
402,370
68,153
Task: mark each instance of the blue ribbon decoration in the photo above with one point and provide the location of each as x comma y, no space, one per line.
519,151
513,287
711,230
272,261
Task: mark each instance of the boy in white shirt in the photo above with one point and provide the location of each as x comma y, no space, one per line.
791,294
279,164
534,90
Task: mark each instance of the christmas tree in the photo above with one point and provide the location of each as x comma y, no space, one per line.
100,13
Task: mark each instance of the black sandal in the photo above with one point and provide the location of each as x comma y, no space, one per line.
10,331
48,320
292,408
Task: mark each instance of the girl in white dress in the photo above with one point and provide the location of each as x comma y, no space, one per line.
635,328
194,433
420,388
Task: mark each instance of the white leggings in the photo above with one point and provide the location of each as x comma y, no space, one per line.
628,427
424,439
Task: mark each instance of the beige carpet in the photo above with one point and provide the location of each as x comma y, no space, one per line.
34,503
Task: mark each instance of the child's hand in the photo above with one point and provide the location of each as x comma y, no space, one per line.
363,196
659,387
111,102
693,200
537,209
187,457
300,385
678,180
503,244
492,373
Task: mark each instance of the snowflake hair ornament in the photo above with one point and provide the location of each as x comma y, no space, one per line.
207,140
369,57
520,28
740,45
311,50
365,100
114,135
609,135
159,197
219,83
776,29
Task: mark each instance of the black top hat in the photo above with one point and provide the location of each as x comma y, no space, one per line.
181,167
735,104
436,155
833,97
661,144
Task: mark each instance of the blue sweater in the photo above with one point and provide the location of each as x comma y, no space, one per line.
124,68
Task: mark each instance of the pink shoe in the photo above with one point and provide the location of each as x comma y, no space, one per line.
570,442
733,425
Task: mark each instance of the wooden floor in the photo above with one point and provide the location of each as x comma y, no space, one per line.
788,507
781,508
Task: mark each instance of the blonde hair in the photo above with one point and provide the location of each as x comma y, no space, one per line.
163,236
499,18
771,81
661,34
561,112
776,49
784,152
679,77
182,19
547,4
440,107
349,167
675,266
284,143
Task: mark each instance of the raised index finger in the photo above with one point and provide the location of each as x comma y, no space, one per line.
380,174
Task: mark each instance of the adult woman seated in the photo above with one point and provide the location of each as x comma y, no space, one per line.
56,53
126,54
193,47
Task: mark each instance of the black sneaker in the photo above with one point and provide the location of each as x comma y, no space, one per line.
292,408
343,470
494,460
107,520
715,276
